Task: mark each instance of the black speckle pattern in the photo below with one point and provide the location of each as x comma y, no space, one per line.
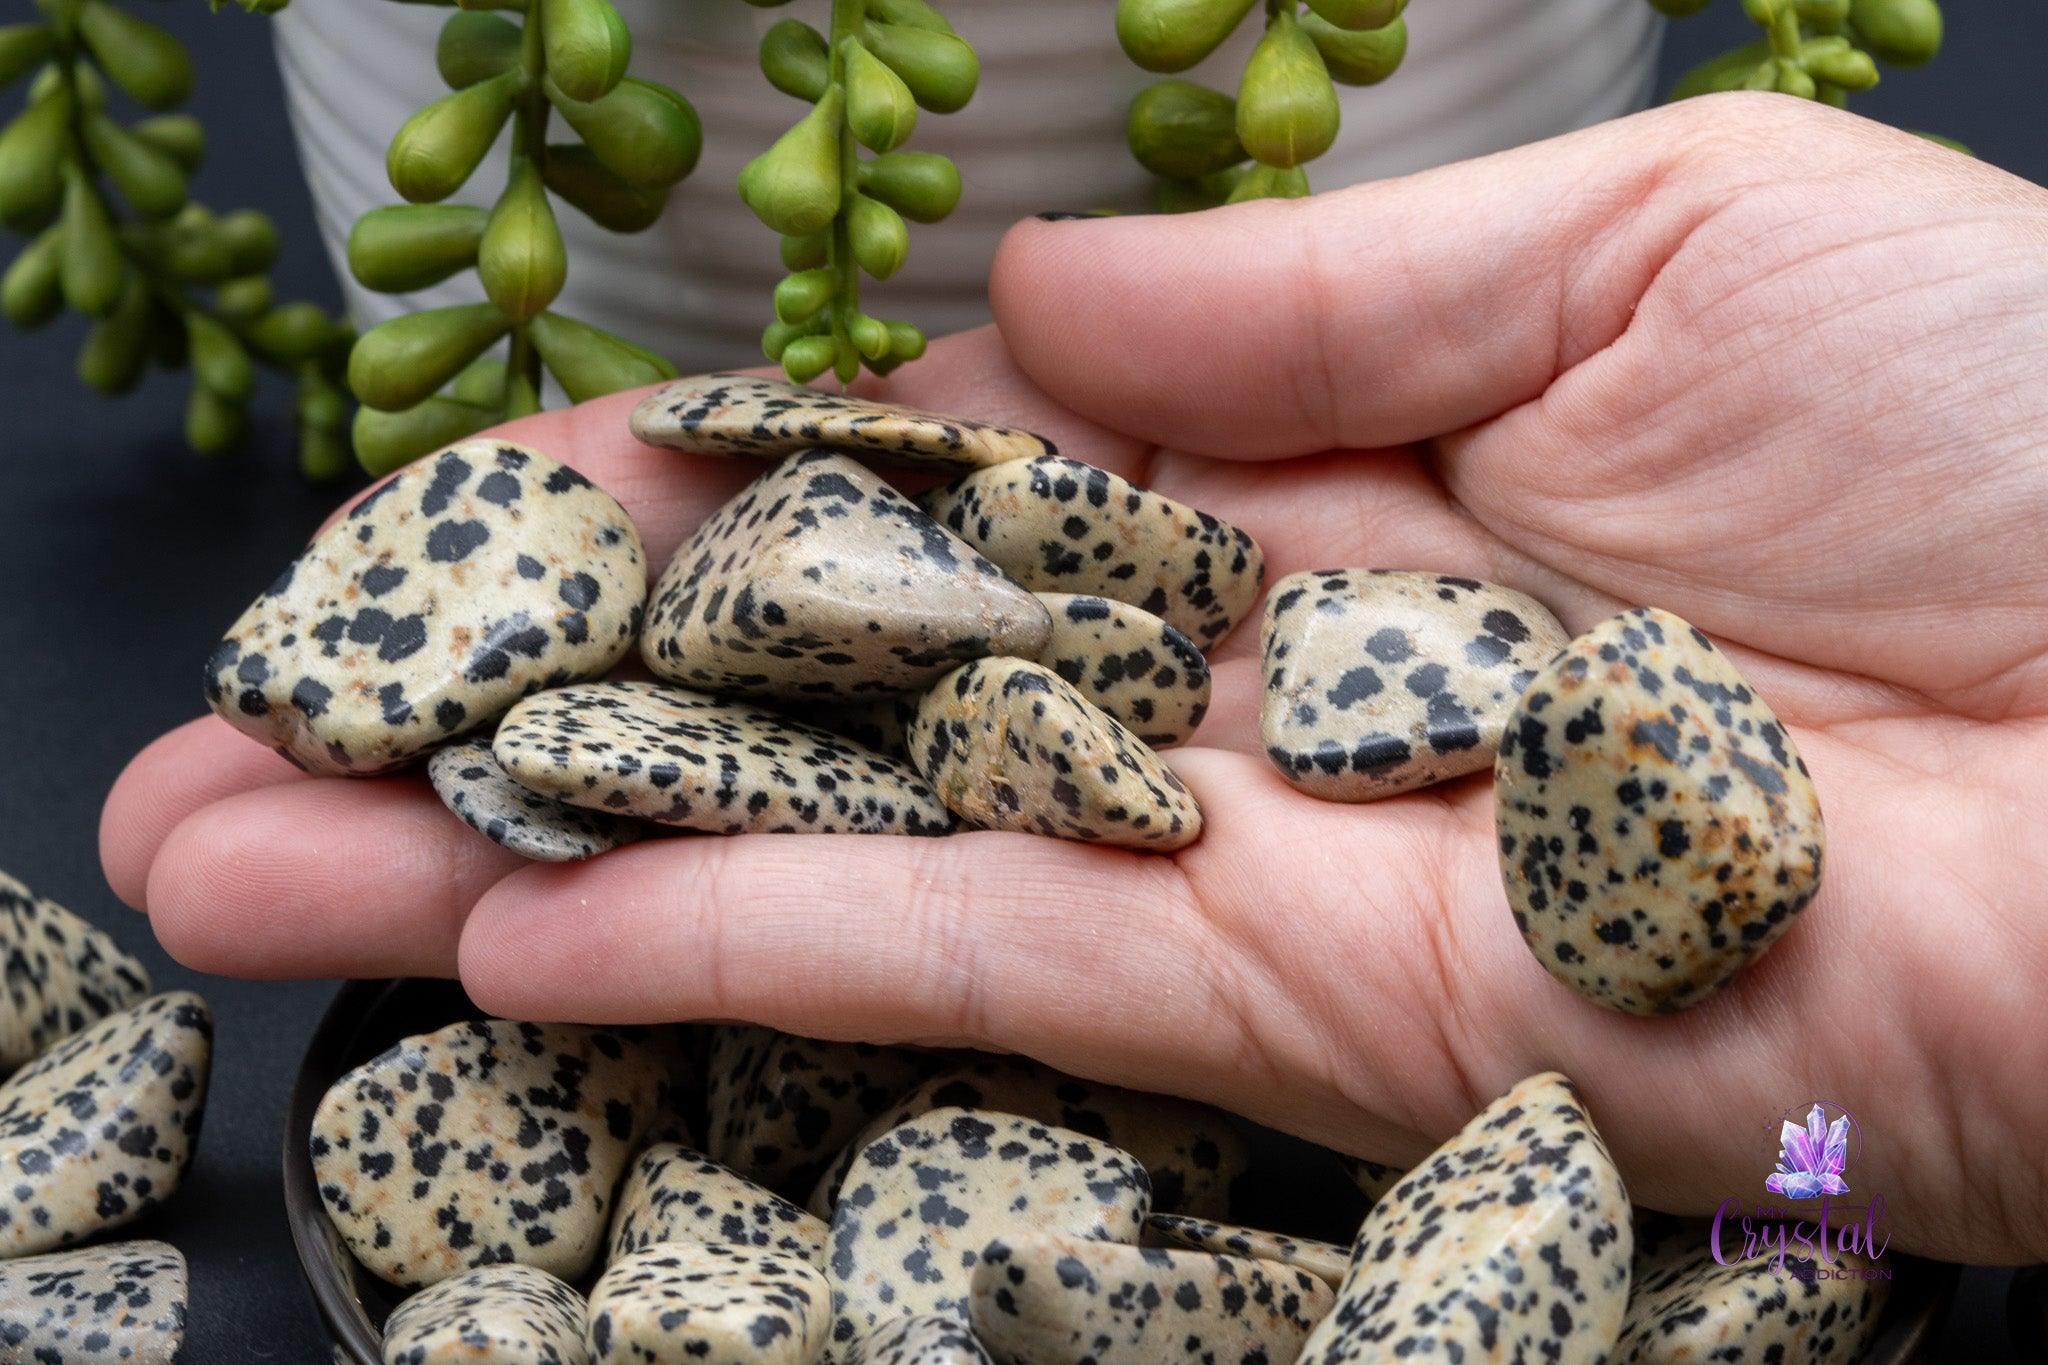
1658,830
1130,663
682,758
883,724
1191,1153
739,415
678,1195
779,1108
61,974
99,1130
928,1339
708,1305
819,581
484,1143
1012,745
1379,682
494,1315
470,783
923,1200
418,617
1686,1306
1058,525
1041,1296
1509,1242
119,1304
1373,1179
1325,1261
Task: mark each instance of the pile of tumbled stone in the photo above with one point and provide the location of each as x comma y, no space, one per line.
1006,651
731,1194
99,1116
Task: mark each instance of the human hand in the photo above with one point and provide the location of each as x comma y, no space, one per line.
1768,366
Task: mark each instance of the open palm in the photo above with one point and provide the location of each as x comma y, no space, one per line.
1768,367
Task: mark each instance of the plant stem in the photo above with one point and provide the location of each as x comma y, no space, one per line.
530,141
847,18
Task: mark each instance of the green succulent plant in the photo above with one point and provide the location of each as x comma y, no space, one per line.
112,234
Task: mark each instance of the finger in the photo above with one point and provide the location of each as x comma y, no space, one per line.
1380,314
1105,963
200,762
339,877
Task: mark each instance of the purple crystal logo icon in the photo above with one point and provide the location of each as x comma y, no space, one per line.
1811,1158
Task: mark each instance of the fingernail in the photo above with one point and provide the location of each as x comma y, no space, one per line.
1068,215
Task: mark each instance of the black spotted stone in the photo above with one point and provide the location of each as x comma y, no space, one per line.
818,581
1191,1153
1687,1306
1378,682
922,1200
100,1129
62,974
682,758
1130,663
496,1314
484,1143
741,415
119,1304
1511,1241
778,1108
675,1194
708,1305
465,582
1011,745
1044,1296
1658,830
1057,525
470,783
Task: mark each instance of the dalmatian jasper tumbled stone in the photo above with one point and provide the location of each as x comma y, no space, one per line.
482,1143
1686,1306
820,581
500,1314
99,1130
1058,525
465,582
678,1195
1372,1179
1380,682
737,414
118,1304
61,974
928,1339
1324,1260
681,758
1130,663
1511,1241
1191,1153
470,783
708,1305
1011,745
1041,1296
780,1108
922,1200
1658,830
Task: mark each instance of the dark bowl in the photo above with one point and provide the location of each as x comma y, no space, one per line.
369,1016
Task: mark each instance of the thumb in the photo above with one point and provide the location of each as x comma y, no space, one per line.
1375,315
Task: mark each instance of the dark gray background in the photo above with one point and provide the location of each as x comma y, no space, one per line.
123,556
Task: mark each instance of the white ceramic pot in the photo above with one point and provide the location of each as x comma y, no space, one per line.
1045,131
